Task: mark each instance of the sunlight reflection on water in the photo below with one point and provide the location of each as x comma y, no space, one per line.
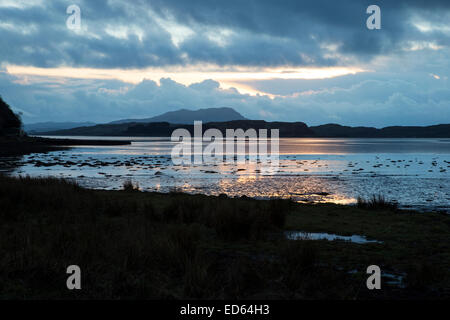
415,172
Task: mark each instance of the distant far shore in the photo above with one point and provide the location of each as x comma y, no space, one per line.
286,130
17,146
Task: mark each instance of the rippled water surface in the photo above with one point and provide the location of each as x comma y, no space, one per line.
414,172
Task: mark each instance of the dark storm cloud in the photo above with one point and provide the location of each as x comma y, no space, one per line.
39,37
309,23
261,33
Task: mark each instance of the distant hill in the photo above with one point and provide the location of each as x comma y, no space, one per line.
184,116
10,123
437,131
287,129
165,129
34,128
338,131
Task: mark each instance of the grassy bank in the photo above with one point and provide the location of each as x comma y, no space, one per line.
131,244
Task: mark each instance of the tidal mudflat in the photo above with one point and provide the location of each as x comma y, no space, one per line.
413,172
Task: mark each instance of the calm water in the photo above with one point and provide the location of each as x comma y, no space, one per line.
414,172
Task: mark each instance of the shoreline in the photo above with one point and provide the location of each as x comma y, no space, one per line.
333,177
18,146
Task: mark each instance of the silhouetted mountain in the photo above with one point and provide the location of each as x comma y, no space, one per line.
338,131
437,131
184,116
287,129
10,123
165,129
34,128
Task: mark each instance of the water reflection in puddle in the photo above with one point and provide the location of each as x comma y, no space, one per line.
299,235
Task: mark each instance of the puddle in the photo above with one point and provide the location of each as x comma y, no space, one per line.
388,278
393,279
299,235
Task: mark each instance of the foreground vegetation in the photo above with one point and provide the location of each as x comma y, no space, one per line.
131,244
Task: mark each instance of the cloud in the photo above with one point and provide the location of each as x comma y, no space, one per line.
407,60
376,102
121,34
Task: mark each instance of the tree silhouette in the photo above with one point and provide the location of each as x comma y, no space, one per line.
10,123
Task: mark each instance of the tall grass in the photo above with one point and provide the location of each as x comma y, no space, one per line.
377,203
128,185
132,245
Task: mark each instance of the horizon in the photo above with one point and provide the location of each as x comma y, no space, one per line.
183,109
319,64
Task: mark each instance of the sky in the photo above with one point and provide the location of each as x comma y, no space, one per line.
311,61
